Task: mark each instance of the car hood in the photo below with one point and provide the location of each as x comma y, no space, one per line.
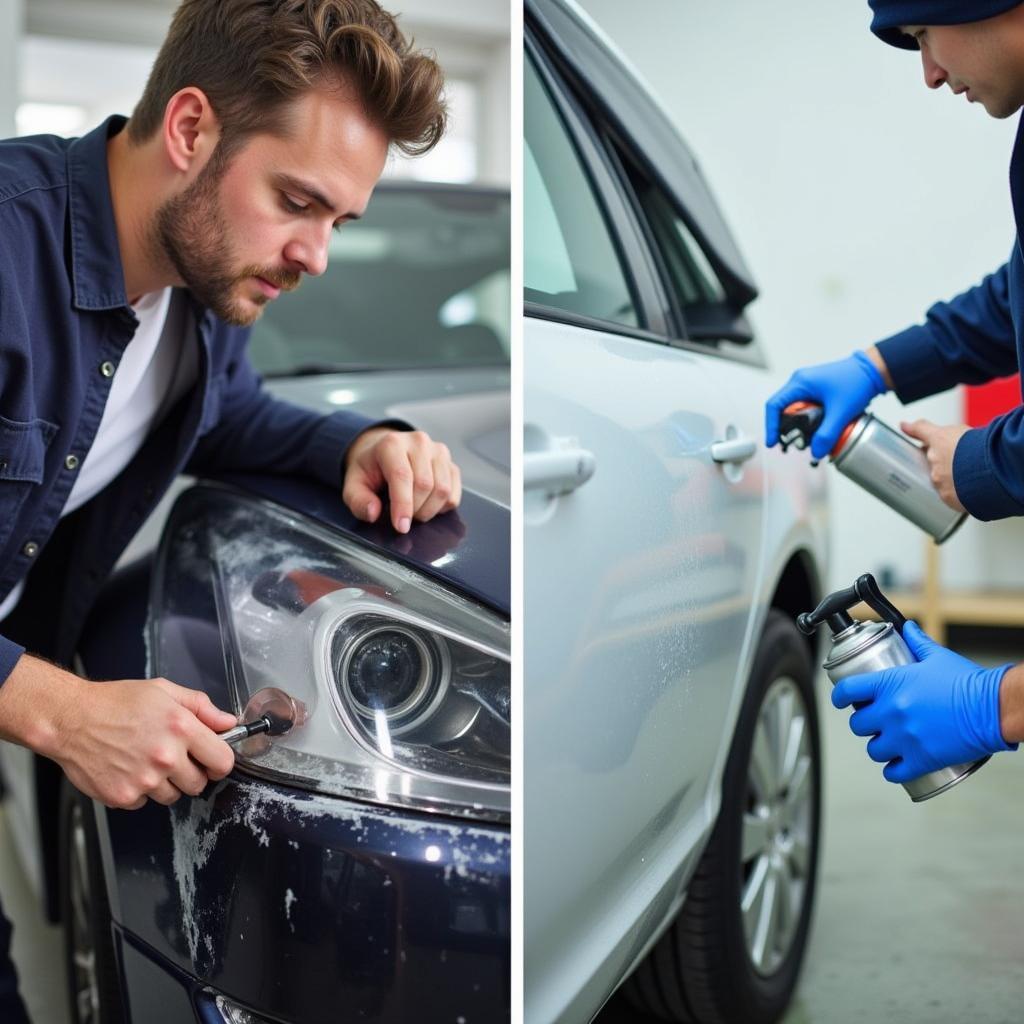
467,409
468,549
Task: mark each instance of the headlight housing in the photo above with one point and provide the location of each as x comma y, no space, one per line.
406,683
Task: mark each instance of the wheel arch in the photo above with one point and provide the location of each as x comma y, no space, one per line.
799,590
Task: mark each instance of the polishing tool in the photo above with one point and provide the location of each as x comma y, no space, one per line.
270,712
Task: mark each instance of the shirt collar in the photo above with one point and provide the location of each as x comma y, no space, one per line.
96,270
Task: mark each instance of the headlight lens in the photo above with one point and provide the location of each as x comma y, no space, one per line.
406,684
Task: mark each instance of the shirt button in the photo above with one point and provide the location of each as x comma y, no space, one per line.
71,462
107,368
31,549
3,465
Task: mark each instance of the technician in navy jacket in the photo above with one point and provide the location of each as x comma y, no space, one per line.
943,710
132,262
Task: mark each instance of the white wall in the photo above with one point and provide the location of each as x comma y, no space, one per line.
858,196
11,19
97,53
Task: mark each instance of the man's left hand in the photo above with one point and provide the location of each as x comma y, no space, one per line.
419,475
939,446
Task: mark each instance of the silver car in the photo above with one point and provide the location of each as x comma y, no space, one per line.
672,756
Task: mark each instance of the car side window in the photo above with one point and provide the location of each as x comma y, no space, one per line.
570,261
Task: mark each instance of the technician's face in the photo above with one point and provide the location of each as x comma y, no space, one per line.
240,235
980,60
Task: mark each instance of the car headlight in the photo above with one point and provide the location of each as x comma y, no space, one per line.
406,683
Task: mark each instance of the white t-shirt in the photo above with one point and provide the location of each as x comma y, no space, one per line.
156,369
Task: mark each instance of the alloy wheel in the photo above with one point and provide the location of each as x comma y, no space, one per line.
775,858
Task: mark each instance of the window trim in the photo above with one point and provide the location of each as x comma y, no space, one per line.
630,250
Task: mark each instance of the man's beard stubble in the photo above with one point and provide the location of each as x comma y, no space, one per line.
191,231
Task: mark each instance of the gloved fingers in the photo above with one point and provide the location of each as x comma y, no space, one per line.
791,391
867,721
825,437
882,749
921,645
900,771
856,689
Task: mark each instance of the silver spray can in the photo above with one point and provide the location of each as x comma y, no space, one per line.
868,647
885,462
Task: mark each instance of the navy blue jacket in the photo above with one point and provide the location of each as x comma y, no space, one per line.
64,324
975,337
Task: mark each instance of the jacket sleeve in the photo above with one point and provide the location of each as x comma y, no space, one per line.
10,652
968,340
256,432
988,468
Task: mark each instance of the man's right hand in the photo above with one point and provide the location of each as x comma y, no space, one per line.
843,388
119,742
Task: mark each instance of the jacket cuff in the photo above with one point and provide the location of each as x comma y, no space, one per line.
10,652
329,445
976,483
915,368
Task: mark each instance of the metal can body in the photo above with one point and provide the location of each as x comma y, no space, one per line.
869,647
895,470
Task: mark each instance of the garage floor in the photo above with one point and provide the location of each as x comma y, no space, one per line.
920,911
919,915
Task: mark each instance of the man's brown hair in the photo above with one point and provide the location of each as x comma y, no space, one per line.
252,57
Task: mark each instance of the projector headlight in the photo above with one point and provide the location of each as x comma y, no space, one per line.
406,683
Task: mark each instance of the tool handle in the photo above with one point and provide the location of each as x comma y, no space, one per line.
797,424
243,732
835,609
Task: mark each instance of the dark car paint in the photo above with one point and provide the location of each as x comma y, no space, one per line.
299,905
468,549
375,927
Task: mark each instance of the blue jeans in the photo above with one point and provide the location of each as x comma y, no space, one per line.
12,1009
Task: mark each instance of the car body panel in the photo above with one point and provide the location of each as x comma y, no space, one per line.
648,584
383,913
631,682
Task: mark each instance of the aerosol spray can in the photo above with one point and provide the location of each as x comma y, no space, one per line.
883,461
867,647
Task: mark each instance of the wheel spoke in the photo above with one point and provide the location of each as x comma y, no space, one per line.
798,796
763,773
755,836
766,911
784,910
798,853
794,748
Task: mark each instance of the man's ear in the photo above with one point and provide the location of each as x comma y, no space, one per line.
190,130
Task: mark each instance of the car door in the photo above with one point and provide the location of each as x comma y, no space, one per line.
642,522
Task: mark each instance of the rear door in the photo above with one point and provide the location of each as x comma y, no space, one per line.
641,555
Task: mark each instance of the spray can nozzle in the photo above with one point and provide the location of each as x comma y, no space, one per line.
835,609
797,424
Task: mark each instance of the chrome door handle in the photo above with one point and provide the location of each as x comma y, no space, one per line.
559,471
735,450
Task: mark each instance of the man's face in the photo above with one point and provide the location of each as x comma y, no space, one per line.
983,60
240,235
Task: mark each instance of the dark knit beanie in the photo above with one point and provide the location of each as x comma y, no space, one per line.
890,14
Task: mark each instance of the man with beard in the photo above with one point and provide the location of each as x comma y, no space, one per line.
133,261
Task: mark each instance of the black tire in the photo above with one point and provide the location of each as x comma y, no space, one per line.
702,969
94,996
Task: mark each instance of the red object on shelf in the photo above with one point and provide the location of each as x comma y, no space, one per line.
984,402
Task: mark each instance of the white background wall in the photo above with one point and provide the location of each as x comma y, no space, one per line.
94,55
858,196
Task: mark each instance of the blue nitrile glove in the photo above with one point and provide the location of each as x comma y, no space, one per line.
943,710
843,388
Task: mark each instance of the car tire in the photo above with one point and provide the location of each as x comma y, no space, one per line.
90,961
718,964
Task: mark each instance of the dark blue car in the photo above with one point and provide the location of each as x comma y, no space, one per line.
357,868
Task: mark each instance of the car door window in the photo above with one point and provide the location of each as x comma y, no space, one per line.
570,261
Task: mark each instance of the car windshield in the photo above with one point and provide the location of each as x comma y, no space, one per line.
422,280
